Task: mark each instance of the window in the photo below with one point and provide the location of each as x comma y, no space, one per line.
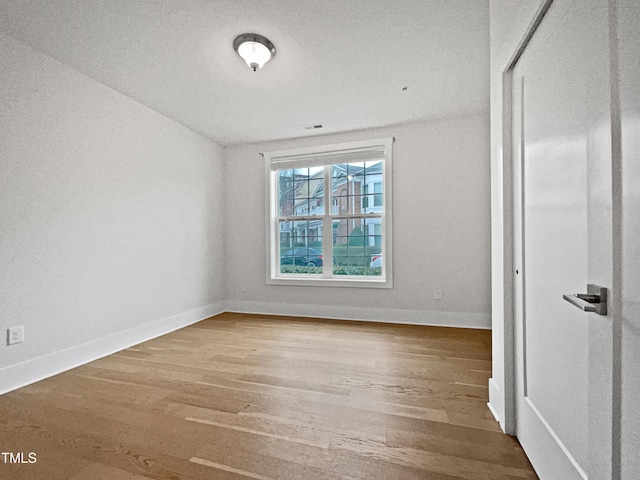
329,215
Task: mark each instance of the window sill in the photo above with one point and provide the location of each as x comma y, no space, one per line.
346,282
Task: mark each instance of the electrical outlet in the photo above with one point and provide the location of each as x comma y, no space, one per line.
437,294
15,335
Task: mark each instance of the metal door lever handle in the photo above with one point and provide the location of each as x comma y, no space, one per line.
587,297
595,300
582,304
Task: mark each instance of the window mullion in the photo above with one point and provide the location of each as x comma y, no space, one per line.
327,227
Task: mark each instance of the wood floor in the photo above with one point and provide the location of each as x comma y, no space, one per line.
254,397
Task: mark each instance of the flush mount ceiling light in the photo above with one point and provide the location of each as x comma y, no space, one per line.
254,49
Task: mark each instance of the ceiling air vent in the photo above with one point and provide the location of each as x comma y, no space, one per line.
317,126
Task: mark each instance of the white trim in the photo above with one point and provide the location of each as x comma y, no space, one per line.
493,412
496,401
39,368
366,314
508,403
343,281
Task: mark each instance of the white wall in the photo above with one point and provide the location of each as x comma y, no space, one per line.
441,230
508,23
629,78
109,218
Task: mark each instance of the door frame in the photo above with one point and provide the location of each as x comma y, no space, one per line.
509,234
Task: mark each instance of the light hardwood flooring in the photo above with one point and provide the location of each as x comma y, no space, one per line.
239,397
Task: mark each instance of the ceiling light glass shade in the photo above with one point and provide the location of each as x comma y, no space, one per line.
254,49
255,54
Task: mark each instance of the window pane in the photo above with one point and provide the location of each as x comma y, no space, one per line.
354,245
285,193
355,168
347,188
373,167
369,205
373,234
316,200
377,189
338,171
301,192
373,191
301,246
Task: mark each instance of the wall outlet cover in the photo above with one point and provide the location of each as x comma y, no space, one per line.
15,335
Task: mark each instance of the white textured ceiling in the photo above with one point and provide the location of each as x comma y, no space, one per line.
341,63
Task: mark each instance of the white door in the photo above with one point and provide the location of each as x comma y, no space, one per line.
563,241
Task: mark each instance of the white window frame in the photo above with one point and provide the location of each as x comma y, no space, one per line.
274,276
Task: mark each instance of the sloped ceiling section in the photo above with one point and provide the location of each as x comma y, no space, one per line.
341,63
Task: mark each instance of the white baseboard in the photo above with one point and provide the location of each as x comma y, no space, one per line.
36,369
496,401
387,315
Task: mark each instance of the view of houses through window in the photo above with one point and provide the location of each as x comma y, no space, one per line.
350,219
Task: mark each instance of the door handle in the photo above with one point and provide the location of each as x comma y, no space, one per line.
595,300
